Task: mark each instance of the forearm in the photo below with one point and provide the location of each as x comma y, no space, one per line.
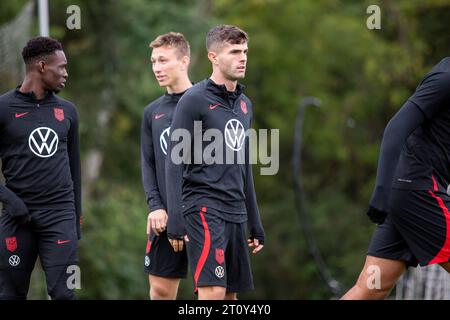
5,194
174,181
254,219
148,170
12,204
395,135
75,170
152,193
181,132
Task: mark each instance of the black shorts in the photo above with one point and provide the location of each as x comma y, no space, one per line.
52,235
417,229
218,252
161,260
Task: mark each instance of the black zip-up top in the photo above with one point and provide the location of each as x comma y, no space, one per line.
415,150
155,131
39,148
226,189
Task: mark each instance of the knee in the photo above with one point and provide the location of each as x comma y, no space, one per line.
159,292
58,285
211,293
14,285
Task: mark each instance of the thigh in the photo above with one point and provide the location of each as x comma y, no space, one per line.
57,238
423,220
388,243
18,254
161,260
58,251
206,248
239,273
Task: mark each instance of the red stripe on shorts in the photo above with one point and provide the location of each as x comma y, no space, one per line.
205,250
444,253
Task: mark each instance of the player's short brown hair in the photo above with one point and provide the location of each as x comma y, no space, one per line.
174,40
221,34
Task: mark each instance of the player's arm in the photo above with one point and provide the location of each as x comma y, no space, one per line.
257,236
430,97
73,150
256,230
13,205
185,114
157,217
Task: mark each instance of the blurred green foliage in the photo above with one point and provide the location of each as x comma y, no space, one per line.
297,49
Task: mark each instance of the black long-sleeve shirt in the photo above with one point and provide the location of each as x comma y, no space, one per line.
155,130
225,188
416,142
39,148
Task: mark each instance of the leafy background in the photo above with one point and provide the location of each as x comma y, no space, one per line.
297,49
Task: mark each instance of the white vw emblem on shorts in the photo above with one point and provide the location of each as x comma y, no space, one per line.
147,261
234,134
220,272
14,260
43,142
164,139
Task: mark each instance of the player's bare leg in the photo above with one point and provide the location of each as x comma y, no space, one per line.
163,288
211,293
368,287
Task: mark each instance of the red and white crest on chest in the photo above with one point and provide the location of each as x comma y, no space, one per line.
59,114
243,106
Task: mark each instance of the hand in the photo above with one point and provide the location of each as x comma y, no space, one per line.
178,244
253,242
376,216
157,221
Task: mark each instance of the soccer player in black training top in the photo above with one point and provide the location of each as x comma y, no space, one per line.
410,201
213,200
40,156
170,63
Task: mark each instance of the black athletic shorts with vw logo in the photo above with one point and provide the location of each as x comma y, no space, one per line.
161,260
218,252
417,229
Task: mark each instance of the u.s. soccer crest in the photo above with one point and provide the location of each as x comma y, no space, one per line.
243,106
11,244
59,114
220,257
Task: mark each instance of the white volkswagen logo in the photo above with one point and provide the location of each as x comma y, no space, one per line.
220,272
14,260
234,134
43,142
163,139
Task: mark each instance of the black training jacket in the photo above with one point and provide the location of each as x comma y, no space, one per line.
415,150
155,130
225,188
39,149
